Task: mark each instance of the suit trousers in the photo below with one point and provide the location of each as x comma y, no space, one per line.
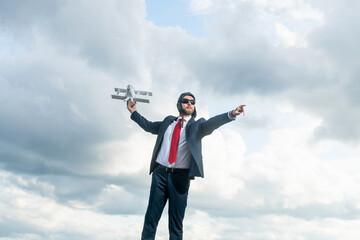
172,186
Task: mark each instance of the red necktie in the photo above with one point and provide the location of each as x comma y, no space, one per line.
175,142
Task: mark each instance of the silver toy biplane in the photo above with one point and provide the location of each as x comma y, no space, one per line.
132,94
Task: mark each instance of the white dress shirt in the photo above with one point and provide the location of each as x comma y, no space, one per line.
183,154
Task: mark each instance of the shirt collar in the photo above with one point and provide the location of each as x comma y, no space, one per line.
185,119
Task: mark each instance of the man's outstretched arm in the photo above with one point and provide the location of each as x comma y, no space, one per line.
148,126
207,127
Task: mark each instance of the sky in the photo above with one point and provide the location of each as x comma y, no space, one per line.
73,165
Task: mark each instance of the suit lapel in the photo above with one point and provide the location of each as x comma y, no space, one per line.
166,124
161,133
191,121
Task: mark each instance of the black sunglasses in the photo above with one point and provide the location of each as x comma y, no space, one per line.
186,101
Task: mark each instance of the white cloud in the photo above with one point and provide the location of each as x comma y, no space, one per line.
223,155
200,6
130,156
288,175
24,210
287,37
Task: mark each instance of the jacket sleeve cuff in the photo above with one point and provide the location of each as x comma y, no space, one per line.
230,116
132,115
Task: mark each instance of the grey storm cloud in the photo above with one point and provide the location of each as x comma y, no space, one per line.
58,65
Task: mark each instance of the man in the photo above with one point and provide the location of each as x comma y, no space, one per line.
176,159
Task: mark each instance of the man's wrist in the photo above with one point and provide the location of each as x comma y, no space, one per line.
231,115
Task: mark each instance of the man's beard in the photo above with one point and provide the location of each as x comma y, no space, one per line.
187,112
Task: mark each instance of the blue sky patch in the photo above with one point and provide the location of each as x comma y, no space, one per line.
174,13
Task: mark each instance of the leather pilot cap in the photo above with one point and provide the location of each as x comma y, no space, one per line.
179,102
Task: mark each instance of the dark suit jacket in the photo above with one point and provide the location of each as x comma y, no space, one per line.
195,131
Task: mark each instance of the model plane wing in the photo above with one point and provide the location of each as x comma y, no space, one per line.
146,93
118,97
119,90
142,100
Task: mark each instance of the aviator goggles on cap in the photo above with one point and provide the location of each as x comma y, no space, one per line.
186,101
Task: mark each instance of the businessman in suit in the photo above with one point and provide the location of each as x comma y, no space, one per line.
175,160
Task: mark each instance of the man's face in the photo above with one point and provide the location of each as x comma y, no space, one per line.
188,108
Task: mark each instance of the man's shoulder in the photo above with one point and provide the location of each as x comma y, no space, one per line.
217,117
169,118
200,120
196,122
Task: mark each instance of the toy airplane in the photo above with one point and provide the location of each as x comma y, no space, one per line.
132,94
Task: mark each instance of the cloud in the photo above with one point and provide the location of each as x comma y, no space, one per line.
116,200
273,227
57,106
281,50
287,176
58,119
73,165
27,215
